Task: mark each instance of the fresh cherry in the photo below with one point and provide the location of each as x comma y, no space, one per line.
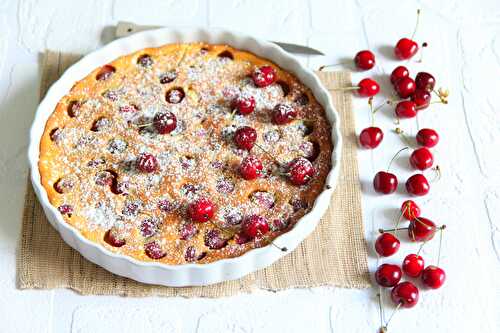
421,158
427,137
300,171
245,137
165,122
254,226
264,76
425,81
433,277
385,182
413,265
410,209
399,73
364,60
417,185
422,98
405,49
371,137
146,163
244,104
201,210
406,294
406,109
387,244
421,229
250,168
368,88
405,87
283,114
388,275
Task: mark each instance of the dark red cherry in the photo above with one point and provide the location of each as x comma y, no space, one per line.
264,76
250,168
364,60
153,250
422,98
427,137
413,265
65,209
165,122
368,88
145,60
371,137
187,231
244,104
406,294
300,171
433,277
421,158
113,238
255,226
405,48
421,229
410,209
175,95
405,87
245,137
417,185
385,182
283,114
406,109
398,73
105,73
168,77
147,163
387,244
425,81
214,240
201,210
388,275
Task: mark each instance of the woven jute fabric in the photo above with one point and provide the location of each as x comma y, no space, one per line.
335,254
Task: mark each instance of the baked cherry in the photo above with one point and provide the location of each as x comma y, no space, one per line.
283,114
254,226
406,109
300,171
264,76
245,137
187,231
413,265
398,73
165,122
405,48
129,108
433,277
406,294
388,275
113,238
385,182
214,240
421,229
417,185
421,158
153,250
410,209
146,163
405,87
368,88
387,244
244,104
364,60
65,209
168,77
145,60
250,168
422,98
175,95
425,81
105,73
371,137
427,137
201,210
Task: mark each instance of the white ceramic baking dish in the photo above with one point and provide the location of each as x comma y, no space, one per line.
188,274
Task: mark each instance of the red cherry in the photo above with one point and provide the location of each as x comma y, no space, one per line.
405,87
244,104
425,81
421,158
254,226
175,95
368,88
264,76
146,163
406,294
422,98
413,265
245,137
427,137
433,277
385,182
165,122
405,48
153,250
406,109
398,73
300,171
65,209
364,60
250,168
105,72
410,209
388,275
283,114
113,238
421,229
371,137
201,210
387,244
417,185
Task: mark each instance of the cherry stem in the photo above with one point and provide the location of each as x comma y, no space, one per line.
373,111
346,88
145,125
394,157
233,114
268,153
416,24
332,65
401,133
421,247
393,313
381,310
437,169
440,242
391,230
399,221
424,45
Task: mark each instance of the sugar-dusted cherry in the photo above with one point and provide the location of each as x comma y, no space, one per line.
399,73
146,163
65,209
421,98
410,209
371,137
427,137
413,265
433,277
264,76
388,275
364,60
154,250
406,109
421,229
425,81
405,87
250,168
113,238
244,104
417,185
385,182
283,114
201,210
387,244
421,158
406,294
175,95
165,122
254,226
214,240
245,137
300,171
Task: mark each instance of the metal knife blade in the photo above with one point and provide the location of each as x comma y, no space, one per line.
124,29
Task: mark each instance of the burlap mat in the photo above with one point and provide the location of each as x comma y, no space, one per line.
335,254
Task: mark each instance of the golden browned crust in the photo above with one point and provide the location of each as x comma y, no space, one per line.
195,160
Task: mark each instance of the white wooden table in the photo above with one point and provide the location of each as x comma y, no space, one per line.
464,55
